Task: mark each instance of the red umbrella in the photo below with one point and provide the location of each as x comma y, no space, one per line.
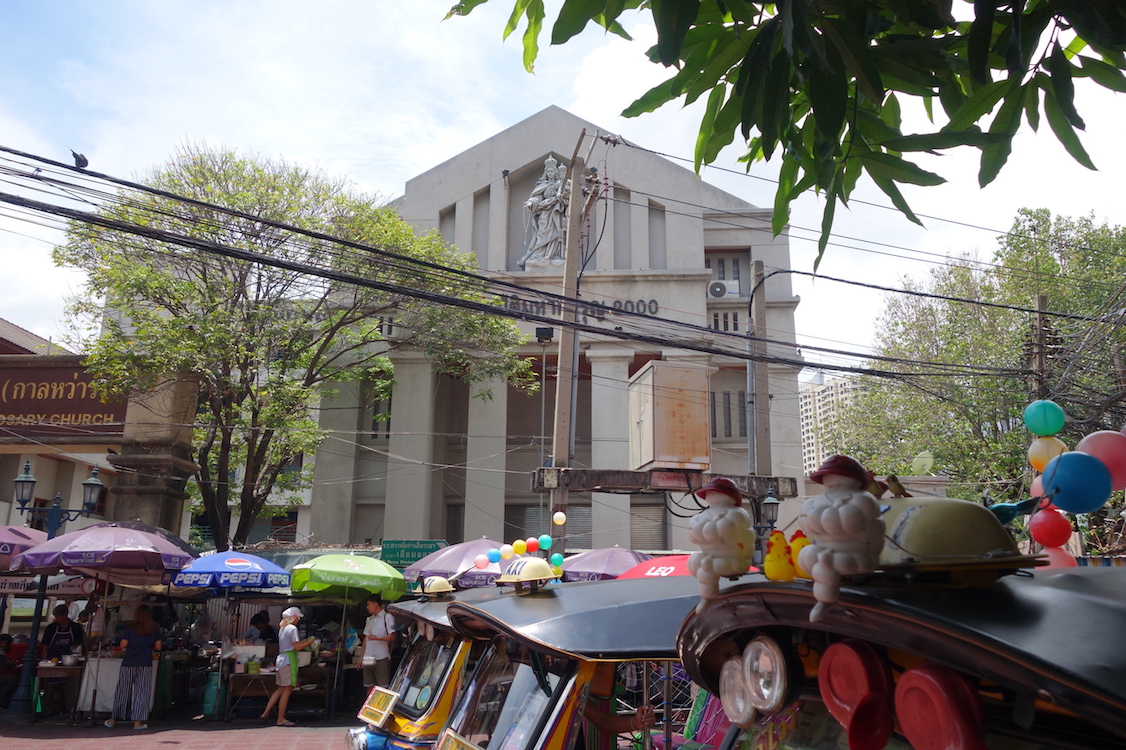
661,567
17,539
600,564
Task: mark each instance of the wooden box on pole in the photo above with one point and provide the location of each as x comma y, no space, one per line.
669,417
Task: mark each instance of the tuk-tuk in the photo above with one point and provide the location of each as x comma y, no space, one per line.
950,645
435,662
545,645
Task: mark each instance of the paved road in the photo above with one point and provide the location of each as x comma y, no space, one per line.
239,734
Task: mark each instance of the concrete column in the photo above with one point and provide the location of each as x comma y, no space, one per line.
333,489
609,433
495,258
485,462
463,226
410,469
639,226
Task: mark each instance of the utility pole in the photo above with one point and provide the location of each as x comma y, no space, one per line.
1038,379
758,380
565,372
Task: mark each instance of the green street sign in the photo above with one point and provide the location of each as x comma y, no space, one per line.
402,552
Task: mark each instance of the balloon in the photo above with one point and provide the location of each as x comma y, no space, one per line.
532,543
545,542
506,551
1077,482
1044,449
1050,528
559,518
558,571
519,546
557,559
922,464
481,561
1058,557
493,555
1036,489
1110,448
1043,417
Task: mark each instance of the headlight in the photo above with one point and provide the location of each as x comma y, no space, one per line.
357,739
772,674
734,695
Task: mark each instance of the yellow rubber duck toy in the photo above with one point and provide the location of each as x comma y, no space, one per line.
777,565
797,542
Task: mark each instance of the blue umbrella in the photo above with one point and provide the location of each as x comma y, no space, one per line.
229,569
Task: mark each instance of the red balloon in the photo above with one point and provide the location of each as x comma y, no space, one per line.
1058,557
1110,448
1050,528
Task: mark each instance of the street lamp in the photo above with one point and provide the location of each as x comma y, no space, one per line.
766,516
22,704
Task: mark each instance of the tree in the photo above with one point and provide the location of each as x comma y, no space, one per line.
267,342
968,410
820,83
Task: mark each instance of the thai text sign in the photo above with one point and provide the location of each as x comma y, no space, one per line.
400,553
55,400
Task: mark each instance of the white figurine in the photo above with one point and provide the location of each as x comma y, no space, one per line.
725,534
845,526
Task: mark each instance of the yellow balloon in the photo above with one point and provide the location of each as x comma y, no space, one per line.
558,571
519,546
1043,450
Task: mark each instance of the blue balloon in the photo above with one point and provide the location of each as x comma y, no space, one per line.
493,555
1077,482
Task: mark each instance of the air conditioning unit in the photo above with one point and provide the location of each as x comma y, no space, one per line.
718,289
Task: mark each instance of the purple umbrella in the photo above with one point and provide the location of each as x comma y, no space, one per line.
458,561
17,539
600,564
125,552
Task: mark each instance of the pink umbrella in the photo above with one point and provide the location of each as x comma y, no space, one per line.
601,564
17,539
458,561
125,552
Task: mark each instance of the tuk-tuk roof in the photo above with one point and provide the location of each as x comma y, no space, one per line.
604,620
432,609
1053,630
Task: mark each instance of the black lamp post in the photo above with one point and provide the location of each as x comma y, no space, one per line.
766,516
22,705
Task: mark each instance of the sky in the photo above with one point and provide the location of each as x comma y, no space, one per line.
382,90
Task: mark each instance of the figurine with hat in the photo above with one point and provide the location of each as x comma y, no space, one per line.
846,528
725,535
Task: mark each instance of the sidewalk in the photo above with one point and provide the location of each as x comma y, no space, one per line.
179,734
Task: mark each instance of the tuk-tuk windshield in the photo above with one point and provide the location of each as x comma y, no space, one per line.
419,679
509,695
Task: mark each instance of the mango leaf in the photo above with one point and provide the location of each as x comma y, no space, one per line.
826,227
980,39
977,106
1103,74
1032,105
531,38
1061,126
891,190
673,18
1063,88
898,169
573,18
783,195
707,124
941,140
994,156
652,99
857,58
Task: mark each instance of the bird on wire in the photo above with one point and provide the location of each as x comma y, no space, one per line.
897,489
80,160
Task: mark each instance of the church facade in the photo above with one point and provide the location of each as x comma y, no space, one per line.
439,461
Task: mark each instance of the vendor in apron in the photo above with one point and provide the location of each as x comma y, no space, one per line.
61,638
286,664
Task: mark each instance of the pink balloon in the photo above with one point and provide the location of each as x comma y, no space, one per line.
1058,557
1036,489
1110,448
481,561
1050,528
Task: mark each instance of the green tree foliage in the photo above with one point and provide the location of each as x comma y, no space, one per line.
972,420
264,342
820,83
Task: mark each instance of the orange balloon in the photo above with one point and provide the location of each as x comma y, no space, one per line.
1043,450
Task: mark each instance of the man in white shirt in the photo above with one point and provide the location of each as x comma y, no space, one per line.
379,634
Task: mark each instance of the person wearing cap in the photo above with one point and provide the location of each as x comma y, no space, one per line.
286,663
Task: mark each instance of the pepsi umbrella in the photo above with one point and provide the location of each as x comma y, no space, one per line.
124,552
458,561
601,564
225,570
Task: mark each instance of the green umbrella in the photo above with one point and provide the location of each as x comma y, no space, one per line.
348,577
